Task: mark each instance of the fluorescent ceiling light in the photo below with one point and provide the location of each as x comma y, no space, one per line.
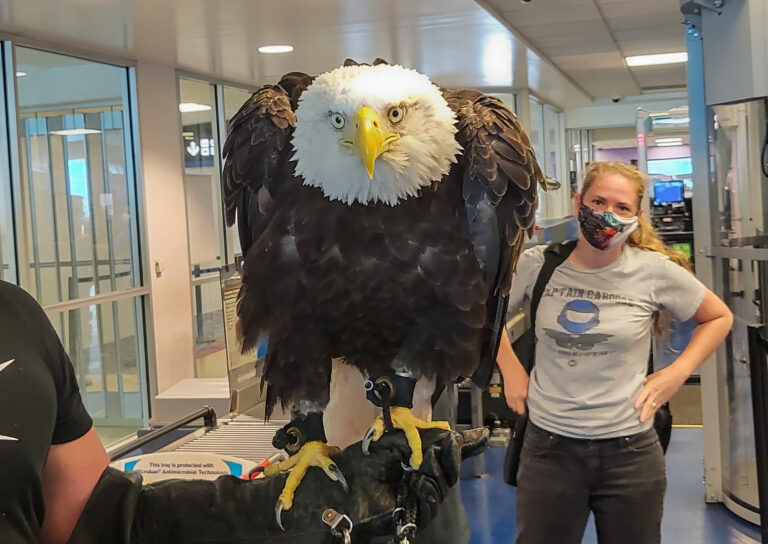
20,74
190,107
497,59
668,144
652,60
275,49
669,140
672,121
75,131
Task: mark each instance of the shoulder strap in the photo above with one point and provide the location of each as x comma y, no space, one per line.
554,256
650,358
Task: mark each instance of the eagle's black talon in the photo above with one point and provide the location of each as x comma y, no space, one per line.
278,513
367,439
339,477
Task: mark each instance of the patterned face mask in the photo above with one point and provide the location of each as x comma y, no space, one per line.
605,229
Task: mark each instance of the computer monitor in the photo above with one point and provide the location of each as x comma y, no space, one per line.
685,247
668,192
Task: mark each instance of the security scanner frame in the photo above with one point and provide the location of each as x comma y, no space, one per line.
727,86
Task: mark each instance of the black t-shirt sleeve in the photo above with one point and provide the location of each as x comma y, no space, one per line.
72,419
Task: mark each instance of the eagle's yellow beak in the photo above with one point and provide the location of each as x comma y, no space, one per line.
370,140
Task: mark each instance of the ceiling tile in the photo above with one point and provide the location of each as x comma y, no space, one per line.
576,38
517,6
664,9
598,39
565,14
612,59
577,49
645,21
533,31
676,32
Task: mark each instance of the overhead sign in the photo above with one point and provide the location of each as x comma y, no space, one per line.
199,145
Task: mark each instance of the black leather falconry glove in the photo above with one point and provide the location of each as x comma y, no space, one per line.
231,510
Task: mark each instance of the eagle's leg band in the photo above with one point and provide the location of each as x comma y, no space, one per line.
390,390
302,429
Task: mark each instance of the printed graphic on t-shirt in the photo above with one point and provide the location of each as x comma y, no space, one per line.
577,318
578,322
3,366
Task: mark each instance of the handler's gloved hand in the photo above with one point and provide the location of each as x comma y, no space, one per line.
443,453
121,511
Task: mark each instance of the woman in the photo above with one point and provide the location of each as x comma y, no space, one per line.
590,445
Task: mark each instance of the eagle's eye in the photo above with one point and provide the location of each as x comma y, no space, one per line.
337,120
396,114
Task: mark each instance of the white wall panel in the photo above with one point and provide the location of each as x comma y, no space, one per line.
166,223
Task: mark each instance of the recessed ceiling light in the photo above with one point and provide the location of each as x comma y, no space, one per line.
20,74
276,49
190,107
651,60
75,131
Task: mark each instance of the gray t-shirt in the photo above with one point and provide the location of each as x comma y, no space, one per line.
594,332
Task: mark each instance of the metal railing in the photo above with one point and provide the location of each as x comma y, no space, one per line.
209,421
758,366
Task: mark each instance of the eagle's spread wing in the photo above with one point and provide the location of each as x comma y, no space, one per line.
499,181
256,154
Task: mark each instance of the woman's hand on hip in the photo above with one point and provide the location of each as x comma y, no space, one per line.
659,388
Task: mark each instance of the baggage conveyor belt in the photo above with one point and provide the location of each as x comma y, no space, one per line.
241,436
235,435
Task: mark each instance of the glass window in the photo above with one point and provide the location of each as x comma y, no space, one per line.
536,134
105,344
7,239
199,127
559,199
78,224
77,192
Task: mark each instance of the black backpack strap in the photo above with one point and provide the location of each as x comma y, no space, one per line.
554,256
650,358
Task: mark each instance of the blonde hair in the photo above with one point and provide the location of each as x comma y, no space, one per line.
645,236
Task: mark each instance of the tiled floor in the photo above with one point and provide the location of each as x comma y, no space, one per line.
688,519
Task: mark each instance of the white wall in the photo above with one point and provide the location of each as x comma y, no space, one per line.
171,338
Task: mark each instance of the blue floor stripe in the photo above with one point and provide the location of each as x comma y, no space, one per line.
490,503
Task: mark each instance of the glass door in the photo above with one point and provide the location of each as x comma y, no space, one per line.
200,138
78,224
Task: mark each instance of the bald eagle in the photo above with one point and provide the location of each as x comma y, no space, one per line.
380,217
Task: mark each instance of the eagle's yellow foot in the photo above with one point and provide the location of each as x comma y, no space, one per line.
403,418
311,454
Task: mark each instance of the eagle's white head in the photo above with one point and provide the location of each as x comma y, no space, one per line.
373,134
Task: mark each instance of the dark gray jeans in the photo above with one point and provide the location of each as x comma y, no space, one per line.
561,480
